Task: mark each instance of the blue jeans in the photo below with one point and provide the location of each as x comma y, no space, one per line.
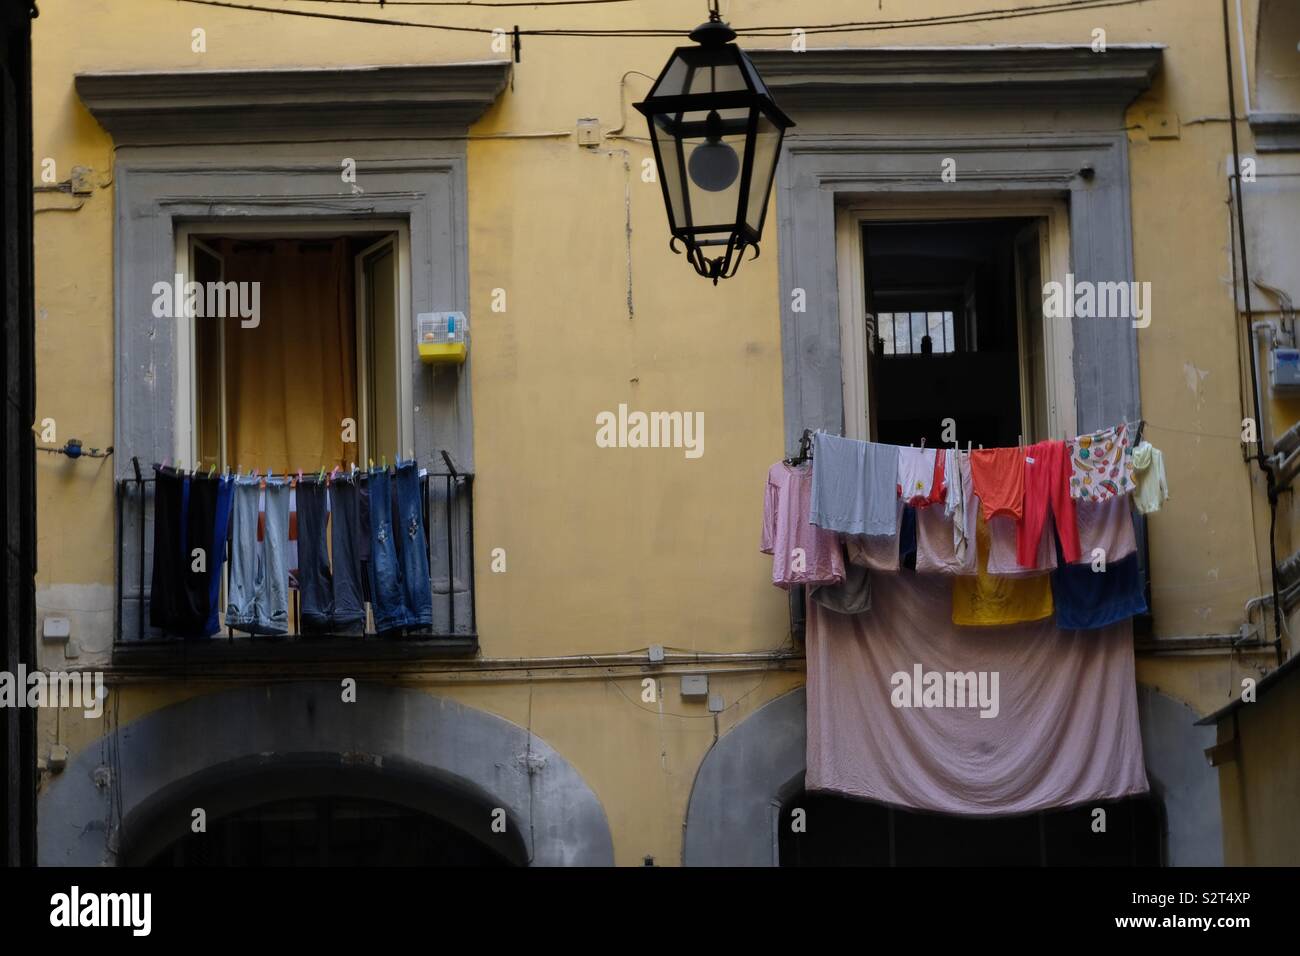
345,533
259,575
315,584
417,593
225,489
386,591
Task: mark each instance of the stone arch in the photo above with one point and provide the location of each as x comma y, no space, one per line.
414,748
744,779
731,819
1188,787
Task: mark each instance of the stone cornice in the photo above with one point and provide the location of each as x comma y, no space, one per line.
992,76
214,106
1276,132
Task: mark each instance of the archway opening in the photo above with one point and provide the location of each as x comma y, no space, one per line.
839,831
311,810
328,831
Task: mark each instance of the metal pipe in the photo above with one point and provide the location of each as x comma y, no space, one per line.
140,590
118,492
451,563
1260,458
1288,441
469,507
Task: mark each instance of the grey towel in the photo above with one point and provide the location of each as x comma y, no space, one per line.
855,486
850,596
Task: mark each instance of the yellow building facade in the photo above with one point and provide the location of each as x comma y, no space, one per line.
599,577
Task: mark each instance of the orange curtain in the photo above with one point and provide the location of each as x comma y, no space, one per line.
291,381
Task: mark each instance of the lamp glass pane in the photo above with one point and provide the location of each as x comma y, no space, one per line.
673,173
767,146
713,166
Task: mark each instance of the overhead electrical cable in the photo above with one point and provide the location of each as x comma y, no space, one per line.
974,16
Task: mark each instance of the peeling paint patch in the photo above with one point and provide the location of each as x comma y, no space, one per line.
1194,377
530,762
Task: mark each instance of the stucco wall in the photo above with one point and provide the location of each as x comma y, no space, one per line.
613,550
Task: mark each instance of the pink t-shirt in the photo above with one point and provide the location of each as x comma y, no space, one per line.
802,553
1002,550
1107,525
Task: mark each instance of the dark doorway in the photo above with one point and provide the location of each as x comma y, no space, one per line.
322,810
845,832
951,337
329,831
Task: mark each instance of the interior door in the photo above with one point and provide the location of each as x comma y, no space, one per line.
1030,256
378,351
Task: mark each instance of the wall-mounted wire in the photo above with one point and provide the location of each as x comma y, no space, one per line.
74,449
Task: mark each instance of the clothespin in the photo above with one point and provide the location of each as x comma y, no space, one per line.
212,471
372,464
922,444
1020,440
968,447
383,460
300,476
165,461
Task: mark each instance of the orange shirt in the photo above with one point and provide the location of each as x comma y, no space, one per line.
999,476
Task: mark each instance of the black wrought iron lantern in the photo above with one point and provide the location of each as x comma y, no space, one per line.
717,136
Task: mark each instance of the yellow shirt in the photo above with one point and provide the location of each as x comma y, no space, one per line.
990,599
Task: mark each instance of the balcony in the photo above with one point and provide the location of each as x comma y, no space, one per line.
448,513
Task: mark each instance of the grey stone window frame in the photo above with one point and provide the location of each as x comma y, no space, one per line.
267,145
1042,120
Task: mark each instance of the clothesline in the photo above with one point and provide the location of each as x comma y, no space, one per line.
356,547
1012,526
805,442
301,475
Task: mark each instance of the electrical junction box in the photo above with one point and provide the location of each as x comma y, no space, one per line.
441,337
1284,370
56,629
588,132
695,687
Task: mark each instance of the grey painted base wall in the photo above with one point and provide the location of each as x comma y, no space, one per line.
742,782
396,742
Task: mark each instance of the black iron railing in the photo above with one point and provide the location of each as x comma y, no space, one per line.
448,512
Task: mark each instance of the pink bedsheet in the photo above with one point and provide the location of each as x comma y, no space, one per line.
1062,728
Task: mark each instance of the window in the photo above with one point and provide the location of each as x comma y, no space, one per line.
311,381
941,318
906,333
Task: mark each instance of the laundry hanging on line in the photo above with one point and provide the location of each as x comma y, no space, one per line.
1042,521
335,538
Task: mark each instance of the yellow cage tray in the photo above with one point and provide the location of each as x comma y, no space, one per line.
442,353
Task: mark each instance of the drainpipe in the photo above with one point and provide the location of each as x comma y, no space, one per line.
1260,458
